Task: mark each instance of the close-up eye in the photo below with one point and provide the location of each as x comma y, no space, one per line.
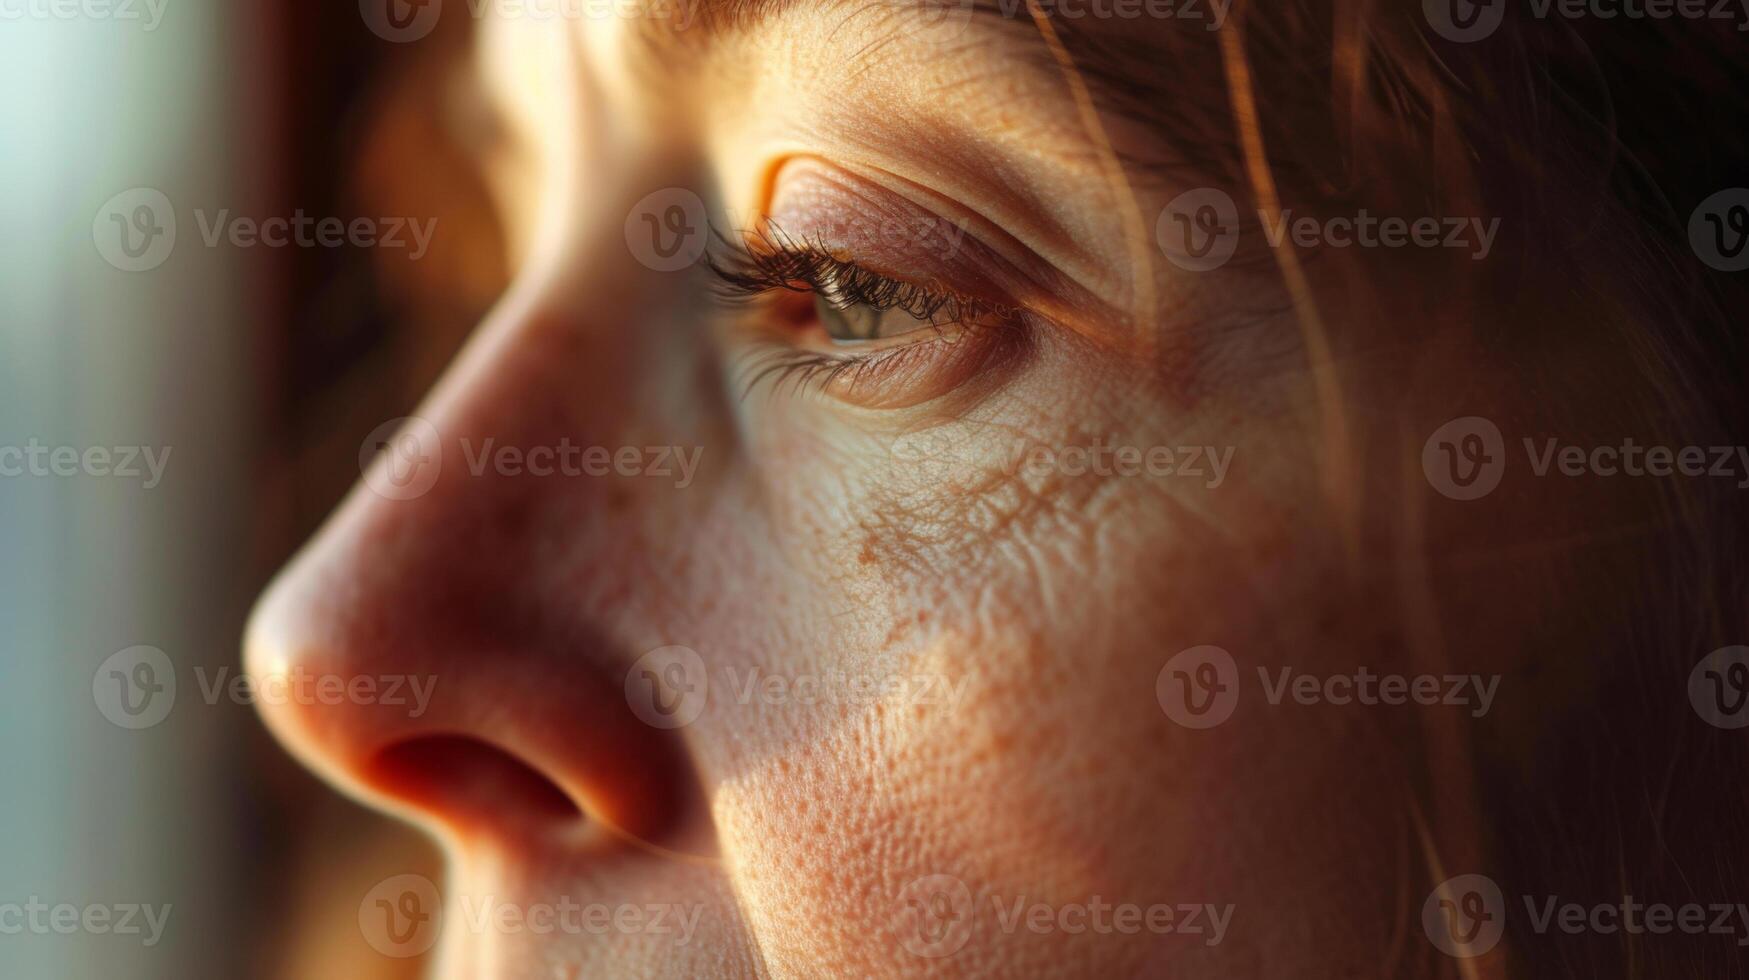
854,322
878,489
848,319
822,319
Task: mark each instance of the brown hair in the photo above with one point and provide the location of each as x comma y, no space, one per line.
1593,140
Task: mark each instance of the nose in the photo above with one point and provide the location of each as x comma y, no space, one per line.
454,645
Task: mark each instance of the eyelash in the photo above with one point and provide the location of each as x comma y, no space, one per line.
772,261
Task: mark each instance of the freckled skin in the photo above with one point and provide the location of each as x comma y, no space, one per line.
1043,606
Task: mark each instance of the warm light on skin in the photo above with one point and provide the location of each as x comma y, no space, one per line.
806,548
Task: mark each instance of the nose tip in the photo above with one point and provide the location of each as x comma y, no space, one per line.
379,728
452,722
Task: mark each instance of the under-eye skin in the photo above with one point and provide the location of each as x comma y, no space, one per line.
824,322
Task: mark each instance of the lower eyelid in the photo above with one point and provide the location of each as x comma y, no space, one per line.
898,376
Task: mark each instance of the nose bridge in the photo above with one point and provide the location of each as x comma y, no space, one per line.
482,565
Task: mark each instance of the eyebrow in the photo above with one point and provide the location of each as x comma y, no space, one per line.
1166,78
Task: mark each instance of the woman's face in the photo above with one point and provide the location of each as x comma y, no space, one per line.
842,633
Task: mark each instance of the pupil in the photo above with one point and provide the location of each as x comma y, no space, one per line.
853,323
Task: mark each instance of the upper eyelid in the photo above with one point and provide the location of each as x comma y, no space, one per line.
777,262
984,259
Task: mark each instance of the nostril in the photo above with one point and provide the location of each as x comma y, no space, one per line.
464,780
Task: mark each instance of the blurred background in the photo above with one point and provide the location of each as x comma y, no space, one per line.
180,407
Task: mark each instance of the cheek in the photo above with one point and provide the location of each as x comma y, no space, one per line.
1020,732
1041,603
915,783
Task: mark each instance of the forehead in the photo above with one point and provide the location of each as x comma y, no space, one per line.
1153,68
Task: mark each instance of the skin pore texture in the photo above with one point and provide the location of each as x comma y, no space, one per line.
882,530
